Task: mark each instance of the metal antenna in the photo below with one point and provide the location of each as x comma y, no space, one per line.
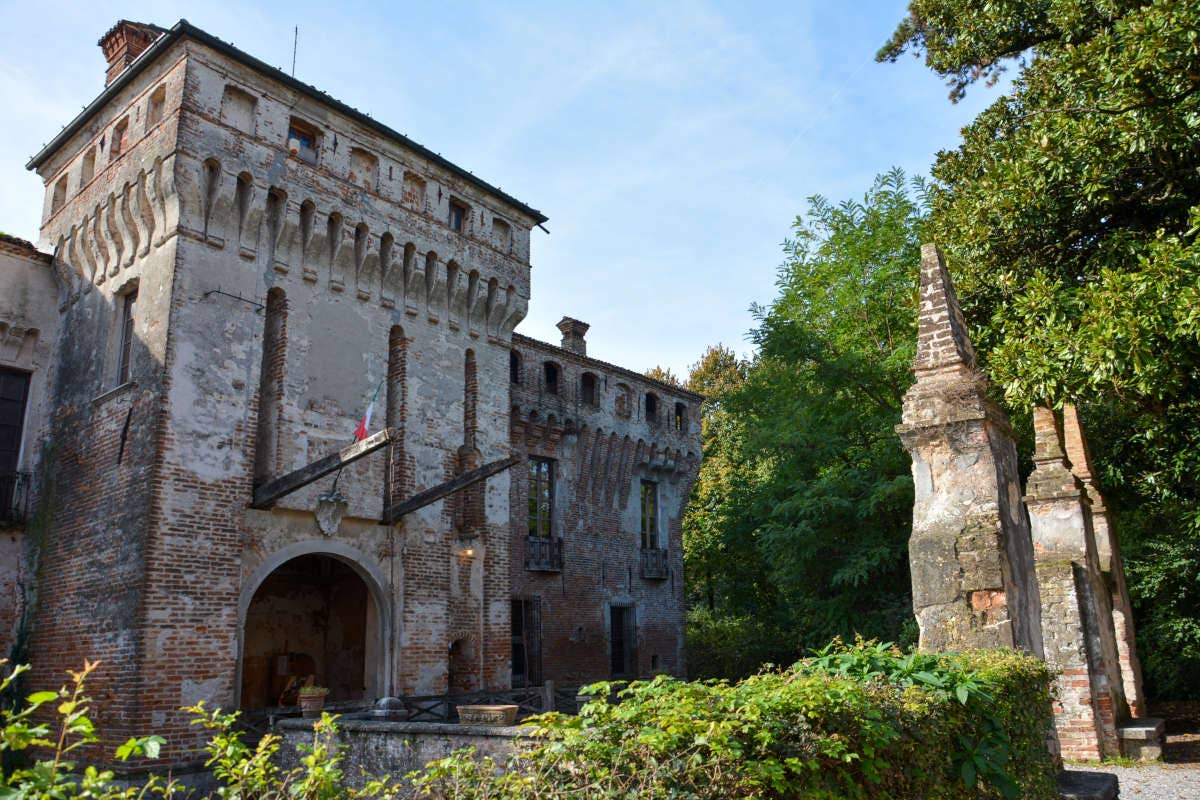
295,41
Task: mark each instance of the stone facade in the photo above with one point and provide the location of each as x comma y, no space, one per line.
1076,609
242,265
970,550
616,441
993,569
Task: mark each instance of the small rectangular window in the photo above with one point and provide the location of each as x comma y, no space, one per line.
649,515
117,146
125,355
458,216
541,497
304,141
154,109
622,641
502,233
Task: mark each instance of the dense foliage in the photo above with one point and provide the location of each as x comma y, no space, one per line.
1070,213
866,721
863,722
798,526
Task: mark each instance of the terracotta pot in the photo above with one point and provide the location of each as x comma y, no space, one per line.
311,705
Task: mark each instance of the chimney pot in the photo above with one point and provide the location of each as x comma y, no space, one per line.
573,332
123,43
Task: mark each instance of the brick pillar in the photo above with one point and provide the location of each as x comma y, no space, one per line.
1077,625
970,551
1112,566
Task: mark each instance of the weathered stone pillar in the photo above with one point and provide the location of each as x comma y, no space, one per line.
970,550
1076,612
1112,566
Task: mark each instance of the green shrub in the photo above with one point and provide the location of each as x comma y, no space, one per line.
861,721
853,722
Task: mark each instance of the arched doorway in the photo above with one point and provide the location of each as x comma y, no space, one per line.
312,615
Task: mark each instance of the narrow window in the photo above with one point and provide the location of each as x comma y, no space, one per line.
88,170
622,638
303,141
514,367
541,497
270,385
651,408
587,389
117,145
59,198
550,374
154,109
680,417
14,391
237,109
458,216
125,353
649,515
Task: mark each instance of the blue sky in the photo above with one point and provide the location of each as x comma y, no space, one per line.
671,144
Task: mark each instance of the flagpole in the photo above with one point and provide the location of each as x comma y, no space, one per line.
353,438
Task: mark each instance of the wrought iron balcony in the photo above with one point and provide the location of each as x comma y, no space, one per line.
14,497
543,554
655,563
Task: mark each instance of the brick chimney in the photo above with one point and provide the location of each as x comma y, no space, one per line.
124,42
573,332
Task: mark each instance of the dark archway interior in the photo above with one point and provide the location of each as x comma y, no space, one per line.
313,616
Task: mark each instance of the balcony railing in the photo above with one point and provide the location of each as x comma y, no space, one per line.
655,564
14,497
543,555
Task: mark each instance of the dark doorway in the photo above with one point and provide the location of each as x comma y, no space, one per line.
313,617
526,642
14,389
623,638
464,667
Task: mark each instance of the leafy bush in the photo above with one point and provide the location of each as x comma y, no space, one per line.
866,721
861,721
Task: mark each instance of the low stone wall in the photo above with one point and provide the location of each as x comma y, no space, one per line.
375,748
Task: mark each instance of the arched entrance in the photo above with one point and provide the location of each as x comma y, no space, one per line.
313,614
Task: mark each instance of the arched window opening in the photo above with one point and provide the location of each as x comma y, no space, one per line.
514,367
550,377
589,392
680,417
651,408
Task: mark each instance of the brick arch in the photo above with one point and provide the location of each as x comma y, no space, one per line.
366,569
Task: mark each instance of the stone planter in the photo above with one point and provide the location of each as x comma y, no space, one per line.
487,715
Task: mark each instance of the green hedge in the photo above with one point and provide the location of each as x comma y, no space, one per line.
853,722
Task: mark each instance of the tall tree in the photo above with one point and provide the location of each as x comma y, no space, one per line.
1071,210
805,488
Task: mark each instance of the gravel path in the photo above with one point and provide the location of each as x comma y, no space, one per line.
1154,781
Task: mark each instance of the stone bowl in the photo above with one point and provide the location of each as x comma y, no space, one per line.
487,715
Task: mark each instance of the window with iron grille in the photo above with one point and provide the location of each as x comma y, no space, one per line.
649,515
125,356
541,497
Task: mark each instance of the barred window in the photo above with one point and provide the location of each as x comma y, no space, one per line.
541,497
649,515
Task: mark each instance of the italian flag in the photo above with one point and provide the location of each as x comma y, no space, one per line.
364,425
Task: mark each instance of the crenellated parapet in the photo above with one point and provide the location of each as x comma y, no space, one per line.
373,254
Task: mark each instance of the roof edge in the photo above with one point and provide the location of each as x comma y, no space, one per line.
529,340
185,28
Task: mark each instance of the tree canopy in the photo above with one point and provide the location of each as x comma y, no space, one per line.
1070,213
798,525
